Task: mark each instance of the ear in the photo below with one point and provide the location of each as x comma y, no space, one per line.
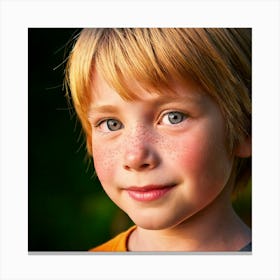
244,149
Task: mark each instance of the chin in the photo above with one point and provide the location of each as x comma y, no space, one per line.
153,223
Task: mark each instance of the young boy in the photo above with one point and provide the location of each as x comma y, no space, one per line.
167,118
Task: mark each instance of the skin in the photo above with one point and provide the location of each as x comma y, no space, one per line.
145,146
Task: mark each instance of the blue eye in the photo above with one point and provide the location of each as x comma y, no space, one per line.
173,118
110,125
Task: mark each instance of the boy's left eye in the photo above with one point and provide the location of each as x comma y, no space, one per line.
173,118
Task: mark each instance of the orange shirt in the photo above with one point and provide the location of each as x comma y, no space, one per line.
117,244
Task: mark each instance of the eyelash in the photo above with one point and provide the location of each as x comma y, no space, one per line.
182,117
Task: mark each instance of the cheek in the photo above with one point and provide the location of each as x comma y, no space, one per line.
192,157
105,161
206,160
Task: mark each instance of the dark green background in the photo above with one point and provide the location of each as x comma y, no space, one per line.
67,208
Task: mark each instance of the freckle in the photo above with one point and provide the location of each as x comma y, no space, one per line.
110,156
165,145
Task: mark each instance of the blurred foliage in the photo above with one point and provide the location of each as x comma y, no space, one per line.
67,208
242,203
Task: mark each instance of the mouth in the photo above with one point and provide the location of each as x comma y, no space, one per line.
149,192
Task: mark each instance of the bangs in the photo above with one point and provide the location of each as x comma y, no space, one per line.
146,57
154,57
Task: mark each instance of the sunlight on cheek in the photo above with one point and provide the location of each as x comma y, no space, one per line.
190,152
204,161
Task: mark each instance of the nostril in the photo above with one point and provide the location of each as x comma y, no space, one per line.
141,167
126,167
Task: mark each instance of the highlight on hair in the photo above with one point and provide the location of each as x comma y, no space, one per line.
218,59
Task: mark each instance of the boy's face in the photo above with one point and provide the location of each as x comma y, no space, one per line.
161,158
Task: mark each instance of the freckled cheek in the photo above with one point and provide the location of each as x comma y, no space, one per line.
105,162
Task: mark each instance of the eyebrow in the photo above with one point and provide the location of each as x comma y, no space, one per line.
102,109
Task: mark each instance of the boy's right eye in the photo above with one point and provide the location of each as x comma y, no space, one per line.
110,125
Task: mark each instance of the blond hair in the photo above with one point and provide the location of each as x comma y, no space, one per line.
218,59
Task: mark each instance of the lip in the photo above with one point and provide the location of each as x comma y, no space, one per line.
149,192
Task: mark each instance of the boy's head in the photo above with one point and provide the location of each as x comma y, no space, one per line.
217,59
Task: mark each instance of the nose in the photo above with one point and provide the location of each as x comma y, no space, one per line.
140,153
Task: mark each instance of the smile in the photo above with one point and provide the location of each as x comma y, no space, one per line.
148,193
